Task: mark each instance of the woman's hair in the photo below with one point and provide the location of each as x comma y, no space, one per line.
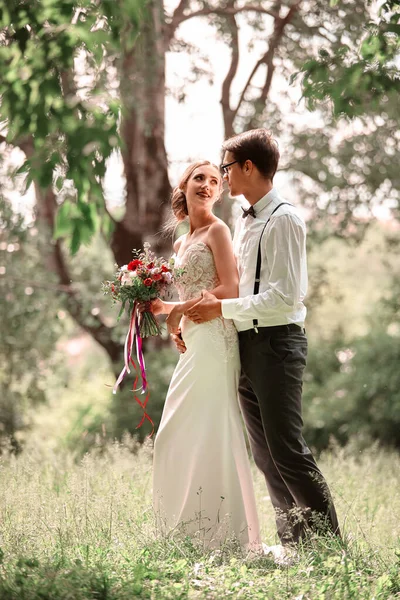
178,197
256,145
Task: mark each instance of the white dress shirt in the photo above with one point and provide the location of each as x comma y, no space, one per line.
283,284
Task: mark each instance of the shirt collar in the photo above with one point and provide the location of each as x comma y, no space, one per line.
264,201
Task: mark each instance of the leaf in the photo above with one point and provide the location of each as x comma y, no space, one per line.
107,226
59,182
333,3
24,168
76,239
369,47
393,28
90,216
64,221
5,18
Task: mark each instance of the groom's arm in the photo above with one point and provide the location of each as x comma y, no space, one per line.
284,249
207,309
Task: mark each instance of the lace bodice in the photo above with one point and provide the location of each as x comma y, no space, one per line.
199,274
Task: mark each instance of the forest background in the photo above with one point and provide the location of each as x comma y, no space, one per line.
103,105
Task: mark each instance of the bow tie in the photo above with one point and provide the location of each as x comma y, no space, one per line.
248,211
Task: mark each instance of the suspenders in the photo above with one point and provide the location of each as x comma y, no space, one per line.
258,267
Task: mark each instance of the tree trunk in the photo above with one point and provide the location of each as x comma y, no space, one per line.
142,89
55,261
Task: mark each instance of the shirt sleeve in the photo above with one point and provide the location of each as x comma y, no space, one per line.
284,250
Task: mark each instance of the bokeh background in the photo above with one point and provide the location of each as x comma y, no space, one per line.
103,105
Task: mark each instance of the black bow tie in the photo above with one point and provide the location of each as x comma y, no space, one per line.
248,211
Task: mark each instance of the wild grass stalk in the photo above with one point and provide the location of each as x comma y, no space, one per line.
85,529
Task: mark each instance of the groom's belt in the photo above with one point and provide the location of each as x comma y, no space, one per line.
274,329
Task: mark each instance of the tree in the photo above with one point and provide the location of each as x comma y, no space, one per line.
353,385
356,81
68,126
27,315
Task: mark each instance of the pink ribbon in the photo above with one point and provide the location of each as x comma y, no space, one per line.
128,347
140,356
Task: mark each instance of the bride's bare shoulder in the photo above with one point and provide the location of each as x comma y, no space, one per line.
219,228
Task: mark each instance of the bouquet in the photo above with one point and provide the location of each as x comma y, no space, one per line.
143,279
140,281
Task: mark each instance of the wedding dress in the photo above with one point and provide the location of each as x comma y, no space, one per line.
201,478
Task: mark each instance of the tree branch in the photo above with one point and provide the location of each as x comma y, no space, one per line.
25,144
227,111
227,11
47,207
268,60
247,84
176,20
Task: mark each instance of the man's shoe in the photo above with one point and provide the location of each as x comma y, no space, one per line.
284,556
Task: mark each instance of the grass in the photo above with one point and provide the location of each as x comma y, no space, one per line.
74,530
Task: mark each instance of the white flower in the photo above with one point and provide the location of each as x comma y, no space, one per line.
124,268
167,277
126,279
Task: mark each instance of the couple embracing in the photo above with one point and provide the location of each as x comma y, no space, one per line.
239,325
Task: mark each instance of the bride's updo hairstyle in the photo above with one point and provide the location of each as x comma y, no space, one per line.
178,197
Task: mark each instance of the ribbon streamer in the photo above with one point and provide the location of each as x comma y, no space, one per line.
133,332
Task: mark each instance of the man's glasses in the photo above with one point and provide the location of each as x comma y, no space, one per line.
224,168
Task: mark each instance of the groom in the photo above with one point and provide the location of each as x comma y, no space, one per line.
270,249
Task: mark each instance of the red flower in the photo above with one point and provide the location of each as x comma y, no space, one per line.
148,282
157,276
165,269
150,265
134,264
112,288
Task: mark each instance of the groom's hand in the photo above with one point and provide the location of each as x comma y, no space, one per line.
179,343
207,309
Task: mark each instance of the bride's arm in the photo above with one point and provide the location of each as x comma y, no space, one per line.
159,307
220,242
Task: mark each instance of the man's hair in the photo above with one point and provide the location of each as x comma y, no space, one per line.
258,146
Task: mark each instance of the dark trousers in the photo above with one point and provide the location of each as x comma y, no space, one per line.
270,388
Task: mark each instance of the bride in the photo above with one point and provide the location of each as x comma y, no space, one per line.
201,478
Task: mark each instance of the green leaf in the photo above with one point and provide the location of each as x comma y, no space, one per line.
59,182
75,239
64,219
86,234
107,226
5,18
24,168
90,217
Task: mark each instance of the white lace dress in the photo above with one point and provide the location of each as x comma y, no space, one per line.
201,480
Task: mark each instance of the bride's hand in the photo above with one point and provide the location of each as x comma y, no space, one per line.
156,306
174,319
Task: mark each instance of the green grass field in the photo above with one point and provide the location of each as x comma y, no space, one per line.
75,530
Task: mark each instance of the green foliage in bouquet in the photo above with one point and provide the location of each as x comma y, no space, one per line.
142,280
